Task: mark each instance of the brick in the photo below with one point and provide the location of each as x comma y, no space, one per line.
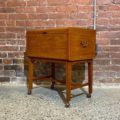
11,42
3,55
115,22
102,62
110,34
100,28
89,23
41,23
116,1
103,8
22,49
115,68
98,68
80,16
18,61
2,29
1,67
61,23
3,16
115,42
38,16
20,23
57,2
7,10
72,9
85,8
116,80
42,9
14,3
2,3
51,9
15,54
20,35
21,42
114,8
7,61
104,48
104,14
104,2
66,9
104,75
36,2
4,79
114,49
61,9
15,29
7,73
81,23
25,9
113,28
83,2
115,55
115,61
7,35
0,61
115,14
2,23
2,42
103,21
15,16
10,23
19,73
12,67
58,16
103,55
8,48
103,41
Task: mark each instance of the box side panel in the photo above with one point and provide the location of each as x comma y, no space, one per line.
82,44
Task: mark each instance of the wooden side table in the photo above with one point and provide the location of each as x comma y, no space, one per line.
62,45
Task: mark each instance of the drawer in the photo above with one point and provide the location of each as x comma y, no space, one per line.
47,44
82,44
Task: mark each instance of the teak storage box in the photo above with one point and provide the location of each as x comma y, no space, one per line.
63,43
69,45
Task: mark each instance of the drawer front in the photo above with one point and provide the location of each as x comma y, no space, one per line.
47,45
82,44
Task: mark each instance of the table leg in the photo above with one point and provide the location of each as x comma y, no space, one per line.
68,83
30,76
53,74
90,78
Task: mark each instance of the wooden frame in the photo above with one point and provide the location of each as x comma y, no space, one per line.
69,84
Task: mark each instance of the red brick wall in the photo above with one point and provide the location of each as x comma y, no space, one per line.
107,63
16,16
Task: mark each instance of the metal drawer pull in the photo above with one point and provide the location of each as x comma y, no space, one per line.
84,43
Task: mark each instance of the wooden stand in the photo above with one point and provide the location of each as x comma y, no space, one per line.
69,84
62,45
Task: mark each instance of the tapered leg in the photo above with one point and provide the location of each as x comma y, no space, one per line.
68,83
90,78
53,74
30,76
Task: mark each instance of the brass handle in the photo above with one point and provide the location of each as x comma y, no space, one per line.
84,43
